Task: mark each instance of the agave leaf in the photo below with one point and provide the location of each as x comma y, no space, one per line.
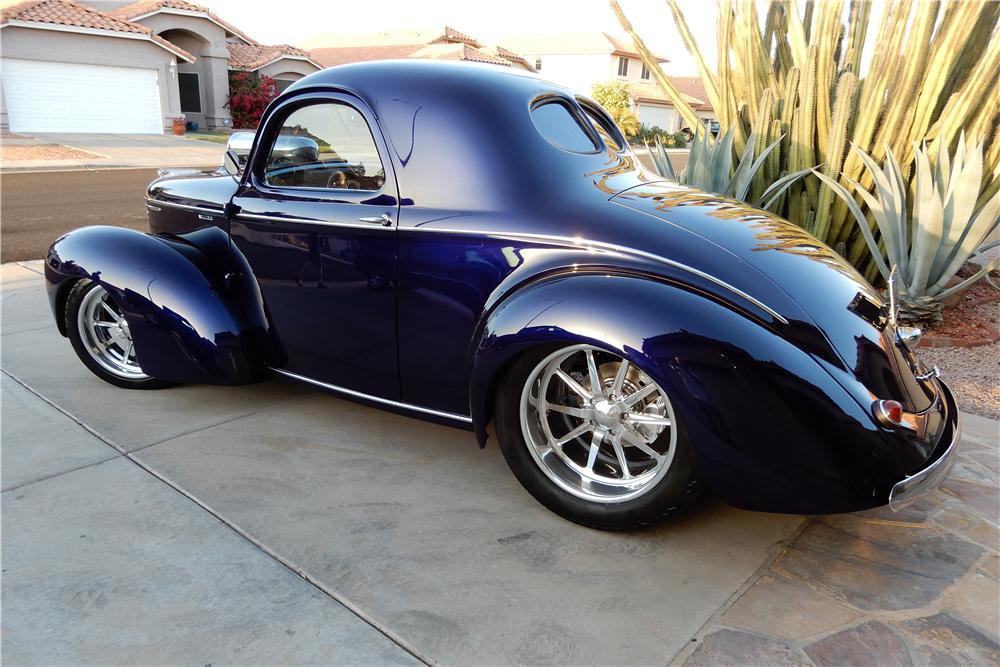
944,294
661,160
866,231
778,188
987,219
928,223
741,191
743,174
883,208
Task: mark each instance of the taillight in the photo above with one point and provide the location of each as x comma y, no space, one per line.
889,413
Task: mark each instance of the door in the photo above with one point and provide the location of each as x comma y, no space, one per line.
66,97
316,219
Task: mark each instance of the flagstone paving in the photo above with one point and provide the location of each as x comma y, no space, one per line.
917,587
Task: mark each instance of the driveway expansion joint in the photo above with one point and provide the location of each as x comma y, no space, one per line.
286,563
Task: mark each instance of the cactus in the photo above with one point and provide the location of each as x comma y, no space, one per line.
945,228
797,75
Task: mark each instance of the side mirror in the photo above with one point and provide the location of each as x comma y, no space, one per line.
231,163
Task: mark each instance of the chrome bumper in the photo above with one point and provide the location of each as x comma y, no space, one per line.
910,488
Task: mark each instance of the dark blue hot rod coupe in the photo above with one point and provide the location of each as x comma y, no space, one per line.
481,247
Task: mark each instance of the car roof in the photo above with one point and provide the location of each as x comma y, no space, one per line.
461,134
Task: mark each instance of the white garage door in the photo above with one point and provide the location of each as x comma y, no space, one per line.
65,97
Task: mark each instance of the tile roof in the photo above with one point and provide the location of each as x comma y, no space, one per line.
146,7
459,51
650,92
331,57
692,85
69,13
574,42
254,56
341,55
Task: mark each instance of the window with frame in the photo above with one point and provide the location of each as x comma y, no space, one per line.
558,123
190,92
327,145
538,64
645,72
622,66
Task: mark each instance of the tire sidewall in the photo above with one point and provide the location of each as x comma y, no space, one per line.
673,493
73,303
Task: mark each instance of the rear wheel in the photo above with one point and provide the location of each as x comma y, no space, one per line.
594,438
100,335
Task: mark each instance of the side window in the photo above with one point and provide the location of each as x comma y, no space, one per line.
560,127
328,146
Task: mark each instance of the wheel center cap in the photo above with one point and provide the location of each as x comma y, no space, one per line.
607,414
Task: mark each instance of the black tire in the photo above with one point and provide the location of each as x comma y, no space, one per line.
78,293
676,491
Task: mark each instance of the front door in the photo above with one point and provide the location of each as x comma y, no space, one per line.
316,219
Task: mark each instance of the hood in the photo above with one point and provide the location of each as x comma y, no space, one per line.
778,258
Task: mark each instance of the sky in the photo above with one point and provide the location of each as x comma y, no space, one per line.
297,21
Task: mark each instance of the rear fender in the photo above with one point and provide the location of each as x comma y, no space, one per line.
771,429
193,307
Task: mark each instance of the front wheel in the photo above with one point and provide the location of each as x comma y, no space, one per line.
594,438
100,335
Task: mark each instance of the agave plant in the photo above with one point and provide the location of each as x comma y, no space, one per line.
797,74
947,223
710,168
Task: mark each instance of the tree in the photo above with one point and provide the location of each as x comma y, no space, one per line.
616,99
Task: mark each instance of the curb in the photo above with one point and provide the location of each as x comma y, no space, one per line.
95,167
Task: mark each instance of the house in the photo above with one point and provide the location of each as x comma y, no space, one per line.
443,43
129,68
581,59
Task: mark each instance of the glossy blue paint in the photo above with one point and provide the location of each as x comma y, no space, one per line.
188,326
771,347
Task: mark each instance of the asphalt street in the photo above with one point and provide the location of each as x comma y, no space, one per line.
36,208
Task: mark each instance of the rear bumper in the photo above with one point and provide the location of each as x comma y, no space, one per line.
930,477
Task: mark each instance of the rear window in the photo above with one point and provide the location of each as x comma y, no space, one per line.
561,128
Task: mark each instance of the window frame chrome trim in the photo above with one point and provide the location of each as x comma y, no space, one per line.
464,419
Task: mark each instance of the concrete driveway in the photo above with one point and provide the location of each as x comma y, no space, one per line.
276,524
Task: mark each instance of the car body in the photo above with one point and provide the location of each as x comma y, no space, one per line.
494,230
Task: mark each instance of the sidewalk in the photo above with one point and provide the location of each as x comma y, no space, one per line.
109,151
277,524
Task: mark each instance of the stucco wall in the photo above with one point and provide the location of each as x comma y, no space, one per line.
288,68
577,71
207,41
67,47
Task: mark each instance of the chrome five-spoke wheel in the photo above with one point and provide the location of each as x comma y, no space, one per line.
597,426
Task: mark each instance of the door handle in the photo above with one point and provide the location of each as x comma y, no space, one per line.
383,220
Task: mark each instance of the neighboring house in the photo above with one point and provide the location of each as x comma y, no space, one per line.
283,63
132,68
581,59
445,43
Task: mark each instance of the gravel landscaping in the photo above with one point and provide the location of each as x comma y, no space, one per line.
42,152
973,373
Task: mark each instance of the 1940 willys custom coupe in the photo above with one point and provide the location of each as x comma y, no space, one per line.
481,247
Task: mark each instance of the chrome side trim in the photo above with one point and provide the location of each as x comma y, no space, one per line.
303,221
153,203
376,399
579,242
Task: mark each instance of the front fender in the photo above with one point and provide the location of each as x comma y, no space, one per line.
192,306
771,429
